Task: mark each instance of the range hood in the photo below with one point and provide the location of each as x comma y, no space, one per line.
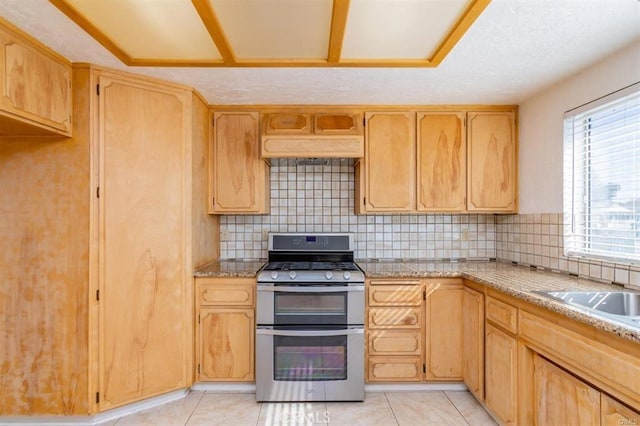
312,135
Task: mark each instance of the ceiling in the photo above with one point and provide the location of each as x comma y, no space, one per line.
276,33
512,50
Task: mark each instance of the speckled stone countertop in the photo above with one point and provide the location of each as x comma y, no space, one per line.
230,269
517,281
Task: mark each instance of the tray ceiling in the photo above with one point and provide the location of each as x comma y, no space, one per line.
276,33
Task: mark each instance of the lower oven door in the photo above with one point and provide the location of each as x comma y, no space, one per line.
310,364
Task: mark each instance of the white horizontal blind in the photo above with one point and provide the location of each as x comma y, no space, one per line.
602,178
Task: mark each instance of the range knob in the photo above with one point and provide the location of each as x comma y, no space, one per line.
328,275
292,274
274,275
346,275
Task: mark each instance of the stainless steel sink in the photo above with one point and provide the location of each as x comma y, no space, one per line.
619,305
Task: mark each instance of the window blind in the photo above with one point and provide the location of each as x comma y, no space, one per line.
602,178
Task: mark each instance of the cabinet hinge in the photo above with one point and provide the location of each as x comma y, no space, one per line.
98,295
424,368
364,121
364,201
198,318
98,192
424,294
97,397
198,368
98,89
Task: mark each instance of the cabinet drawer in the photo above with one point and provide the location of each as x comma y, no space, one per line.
392,342
408,318
394,369
503,315
228,292
395,295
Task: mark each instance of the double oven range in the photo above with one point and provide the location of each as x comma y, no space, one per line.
310,320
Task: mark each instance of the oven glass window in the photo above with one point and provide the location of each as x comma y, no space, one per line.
310,308
310,358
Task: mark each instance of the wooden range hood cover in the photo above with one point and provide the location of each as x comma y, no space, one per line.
317,135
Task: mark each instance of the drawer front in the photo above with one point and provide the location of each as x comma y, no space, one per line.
407,318
392,342
227,293
503,315
394,369
395,295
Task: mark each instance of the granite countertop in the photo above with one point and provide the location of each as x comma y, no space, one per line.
517,281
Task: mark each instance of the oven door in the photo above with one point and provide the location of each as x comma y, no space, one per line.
310,365
308,304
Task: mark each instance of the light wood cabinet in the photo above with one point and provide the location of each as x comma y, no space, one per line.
473,341
395,369
492,172
561,399
501,374
442,162
386,177
239,177
35,87
312,134
443,330
225,343
143,260
614,413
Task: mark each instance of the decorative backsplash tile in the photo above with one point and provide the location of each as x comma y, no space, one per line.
321,199
537,240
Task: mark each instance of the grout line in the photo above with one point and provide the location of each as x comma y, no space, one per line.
194,408
391,408
456,407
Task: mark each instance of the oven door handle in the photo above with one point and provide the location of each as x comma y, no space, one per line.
310,289
309,333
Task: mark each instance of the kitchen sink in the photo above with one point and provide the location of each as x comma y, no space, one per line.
618,305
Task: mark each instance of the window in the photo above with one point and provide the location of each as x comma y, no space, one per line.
602,178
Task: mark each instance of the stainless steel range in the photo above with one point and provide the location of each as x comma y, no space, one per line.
310,320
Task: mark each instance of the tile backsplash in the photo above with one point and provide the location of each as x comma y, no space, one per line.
321,199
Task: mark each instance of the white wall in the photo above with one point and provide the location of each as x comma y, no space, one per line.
540,167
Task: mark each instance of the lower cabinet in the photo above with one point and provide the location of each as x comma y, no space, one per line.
614,413
500,374
473,341
560,398
225,337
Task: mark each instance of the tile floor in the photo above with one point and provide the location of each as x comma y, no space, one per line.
379,409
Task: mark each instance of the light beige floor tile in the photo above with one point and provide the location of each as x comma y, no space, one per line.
424,408
375,410
470,408
172,413
237,409
293,413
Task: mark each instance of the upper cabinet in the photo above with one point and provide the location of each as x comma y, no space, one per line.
441,145
492,180
239,177
306,134
448,161
35,87
386,178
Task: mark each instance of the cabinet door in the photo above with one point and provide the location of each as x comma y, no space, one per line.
240,176
389,163
614,413
443,331
226,344
561,399
441,149
500,374
473,342
35,89
492,180
338,123
142,261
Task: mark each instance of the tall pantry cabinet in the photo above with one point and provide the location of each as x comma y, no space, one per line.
103,293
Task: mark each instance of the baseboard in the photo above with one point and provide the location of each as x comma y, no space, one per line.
417,387
99,418
224,387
